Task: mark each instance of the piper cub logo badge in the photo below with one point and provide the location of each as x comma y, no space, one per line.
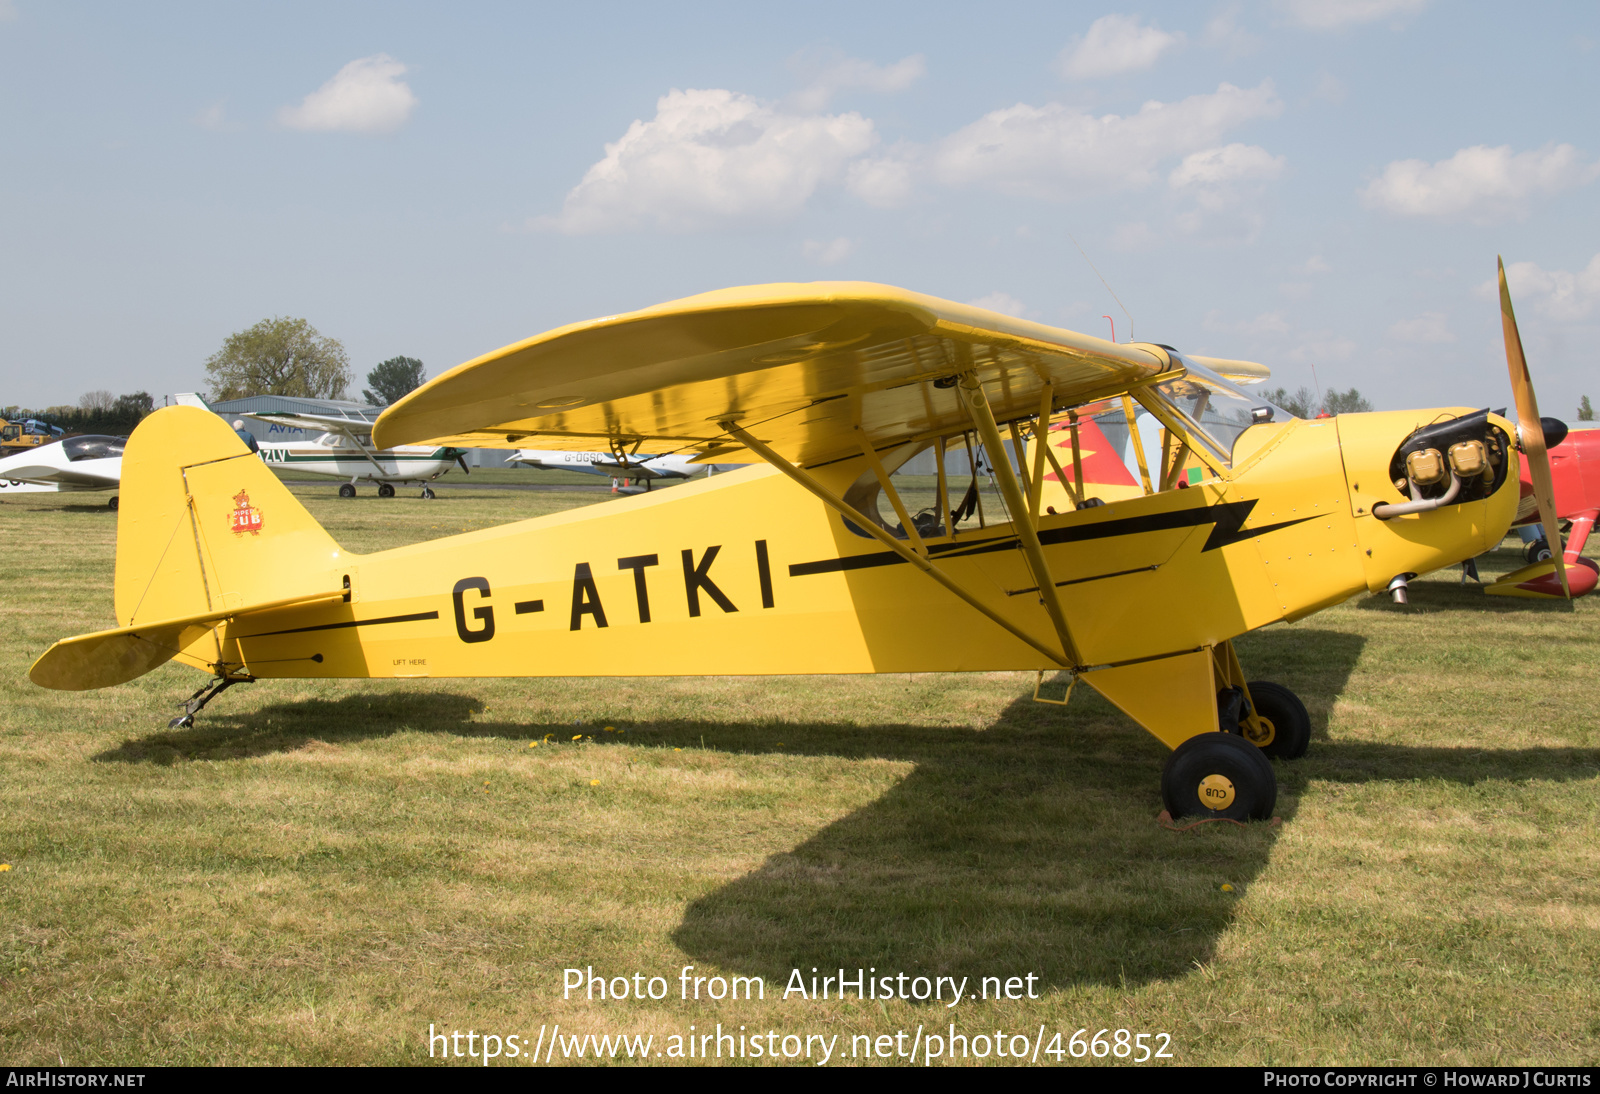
245,517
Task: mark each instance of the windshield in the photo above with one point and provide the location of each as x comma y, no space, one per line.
1216,410
92,447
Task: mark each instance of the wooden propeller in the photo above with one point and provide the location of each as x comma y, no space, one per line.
1530,433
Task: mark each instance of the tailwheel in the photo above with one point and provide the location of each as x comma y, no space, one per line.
385,490
1281,727
1219,775
347,490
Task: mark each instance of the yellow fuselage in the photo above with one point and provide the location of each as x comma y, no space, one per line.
747,573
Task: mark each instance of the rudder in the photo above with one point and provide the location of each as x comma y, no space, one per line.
205,526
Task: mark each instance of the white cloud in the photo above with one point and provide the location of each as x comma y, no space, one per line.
884,181
365,96
1266,324
1322,347
1478,184
1337,14
1317,264
1230,163
848,72
1060,151
710,158
214,118
1271,322
1135,235
1113,45
1431,328
827,252
1557,294
1226,186
1004,303
1224,32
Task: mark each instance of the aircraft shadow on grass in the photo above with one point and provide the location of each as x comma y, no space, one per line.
1031,846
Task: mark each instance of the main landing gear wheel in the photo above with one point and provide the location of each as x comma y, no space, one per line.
1219,775
347,490
1538,551
112,504
1288,726
427,492
385,490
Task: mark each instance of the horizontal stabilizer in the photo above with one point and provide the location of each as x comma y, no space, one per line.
107,658
1540,581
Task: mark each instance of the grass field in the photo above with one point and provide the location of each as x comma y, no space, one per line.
318,871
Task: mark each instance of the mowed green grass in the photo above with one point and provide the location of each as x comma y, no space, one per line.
319,870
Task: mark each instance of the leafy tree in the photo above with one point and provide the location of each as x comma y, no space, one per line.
1346,402
133,407
282,356
1585,411
1302,403
393,380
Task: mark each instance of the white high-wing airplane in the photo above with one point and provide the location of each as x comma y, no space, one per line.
89,462
619,467
343,449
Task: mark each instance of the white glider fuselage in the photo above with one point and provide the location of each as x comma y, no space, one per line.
76,463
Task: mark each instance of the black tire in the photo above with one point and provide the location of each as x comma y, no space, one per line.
1291,725
1219,775
347,490
427,492
385,490
113,503
1538,551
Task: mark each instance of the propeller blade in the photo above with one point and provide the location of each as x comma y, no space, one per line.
461,458
1530,431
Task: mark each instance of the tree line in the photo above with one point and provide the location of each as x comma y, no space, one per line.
288,356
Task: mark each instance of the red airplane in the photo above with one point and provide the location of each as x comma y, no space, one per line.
1575,470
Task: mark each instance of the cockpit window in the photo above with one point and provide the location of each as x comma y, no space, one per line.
92,447
1215,410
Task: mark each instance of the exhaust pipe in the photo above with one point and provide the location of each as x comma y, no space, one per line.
1398,588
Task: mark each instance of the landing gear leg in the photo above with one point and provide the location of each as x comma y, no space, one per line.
196,702
1281,727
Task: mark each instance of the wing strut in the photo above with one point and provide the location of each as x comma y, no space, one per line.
1021,515
850,513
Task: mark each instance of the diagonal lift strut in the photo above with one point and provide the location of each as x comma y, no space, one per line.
850,513
1021,515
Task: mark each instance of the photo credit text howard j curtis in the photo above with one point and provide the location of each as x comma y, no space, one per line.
946,1025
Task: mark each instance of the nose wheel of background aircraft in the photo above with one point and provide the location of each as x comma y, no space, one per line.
347,490
385,490
427,492
1219,775
1287,725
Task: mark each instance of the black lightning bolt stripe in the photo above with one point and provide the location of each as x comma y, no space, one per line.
1227,520
347,623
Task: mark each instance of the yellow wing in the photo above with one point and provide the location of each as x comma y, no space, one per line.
798,365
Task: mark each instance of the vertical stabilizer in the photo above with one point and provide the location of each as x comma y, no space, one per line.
204,526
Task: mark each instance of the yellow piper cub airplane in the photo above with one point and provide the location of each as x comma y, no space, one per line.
813,561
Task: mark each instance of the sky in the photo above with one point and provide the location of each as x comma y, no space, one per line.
1318,185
